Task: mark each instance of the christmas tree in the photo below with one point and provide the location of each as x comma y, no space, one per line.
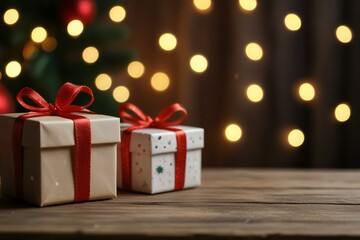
46,43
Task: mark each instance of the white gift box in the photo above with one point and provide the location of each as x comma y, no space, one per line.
48,144
152,154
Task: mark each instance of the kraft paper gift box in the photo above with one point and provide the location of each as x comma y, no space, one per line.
152,153
48,144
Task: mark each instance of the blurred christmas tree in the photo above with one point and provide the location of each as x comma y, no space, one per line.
46,43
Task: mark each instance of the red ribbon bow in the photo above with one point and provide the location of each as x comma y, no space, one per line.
133,115
82,133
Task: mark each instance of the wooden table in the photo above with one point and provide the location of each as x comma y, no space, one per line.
231,204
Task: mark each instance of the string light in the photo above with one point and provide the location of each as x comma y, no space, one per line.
117,14
342,112
136,69
75,28
296,138
103,82
255,93
306,91
90,54
202,5
292,22
198,63
38,34
160,81
49,44
233,132
13,69
121,94
167,41
11,16
248,5
254,51
343,34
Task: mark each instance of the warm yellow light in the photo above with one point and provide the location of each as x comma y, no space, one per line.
38,34
296,138
202,5
121,94
160,81
233,132
292,22
306,92
29,50
75,28
167,41
198,63
254,51
11,16
90,54
343,34
103,82
117,14
248,5
136,69
342,112
49,44
255,93
13,69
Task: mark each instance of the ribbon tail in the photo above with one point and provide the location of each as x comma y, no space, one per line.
125,160
180,159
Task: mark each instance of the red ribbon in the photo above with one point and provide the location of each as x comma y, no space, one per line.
82,133
133,115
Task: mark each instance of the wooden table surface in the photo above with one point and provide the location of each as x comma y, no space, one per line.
230,204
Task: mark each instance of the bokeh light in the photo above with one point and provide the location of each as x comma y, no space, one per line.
306,91
49,44
296,138
248,5
13,69
198,63
233,132
103,82
292,22
121,94
90,54
255,93
135,69
11,16
117,14
342,112
38,34
202,5
167,41
75,28
343,34
160,81
29,50
254,51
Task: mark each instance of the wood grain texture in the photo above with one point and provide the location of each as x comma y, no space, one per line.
231,204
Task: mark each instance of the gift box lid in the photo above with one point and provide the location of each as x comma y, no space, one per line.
157,141
54,131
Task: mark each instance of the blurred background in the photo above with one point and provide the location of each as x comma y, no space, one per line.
273,83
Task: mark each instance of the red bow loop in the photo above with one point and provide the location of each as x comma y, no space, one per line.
67,94
162,119
134,115
41,104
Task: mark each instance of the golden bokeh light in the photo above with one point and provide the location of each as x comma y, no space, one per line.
117,14
136,69
292,22
233,132
248,5
160,81
296,138
90,54
13,69
202,5
342,112
49,44
11,16
254,93
121,94
75,28
198,63
343,34
167,41
103,82
306,91
254,51
38,34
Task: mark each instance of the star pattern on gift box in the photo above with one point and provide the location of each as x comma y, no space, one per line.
159,170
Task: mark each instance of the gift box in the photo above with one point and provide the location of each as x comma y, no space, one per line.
153,161
48,145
